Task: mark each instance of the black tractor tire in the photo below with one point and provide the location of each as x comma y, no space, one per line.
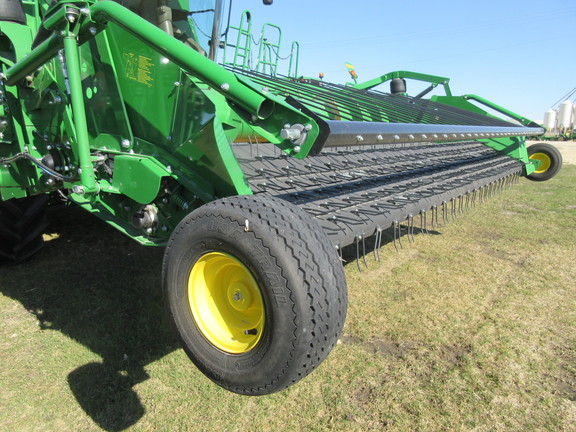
256,292
551,159
22,222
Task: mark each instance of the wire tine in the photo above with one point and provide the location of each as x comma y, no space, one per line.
364,250
377,244
395,228
410,231
421,222
358,254
400,235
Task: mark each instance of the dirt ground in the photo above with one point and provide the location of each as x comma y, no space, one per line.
567,148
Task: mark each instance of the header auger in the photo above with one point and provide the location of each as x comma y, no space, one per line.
253,182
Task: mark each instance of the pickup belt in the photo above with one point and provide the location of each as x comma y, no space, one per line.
357,192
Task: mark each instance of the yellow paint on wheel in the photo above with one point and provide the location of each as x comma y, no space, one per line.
226,303
545,160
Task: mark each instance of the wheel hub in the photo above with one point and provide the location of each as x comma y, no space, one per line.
226,303
545,162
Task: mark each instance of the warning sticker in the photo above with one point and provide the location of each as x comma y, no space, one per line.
139,68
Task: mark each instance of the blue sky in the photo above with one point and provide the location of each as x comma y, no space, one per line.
520,54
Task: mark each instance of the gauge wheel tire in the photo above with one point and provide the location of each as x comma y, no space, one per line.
256,292
550,158
22,222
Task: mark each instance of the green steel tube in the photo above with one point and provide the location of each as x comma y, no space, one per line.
185,57
525,121
79,113
34,59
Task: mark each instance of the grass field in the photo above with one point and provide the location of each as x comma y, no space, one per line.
470,328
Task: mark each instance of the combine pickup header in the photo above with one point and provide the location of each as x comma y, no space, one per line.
252,181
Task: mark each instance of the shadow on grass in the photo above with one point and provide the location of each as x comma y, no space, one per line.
103,290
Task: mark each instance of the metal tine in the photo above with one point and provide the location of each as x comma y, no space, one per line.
358,254
397,232
364,250
425,212
421,222
435,215
410,228
444,218
377,242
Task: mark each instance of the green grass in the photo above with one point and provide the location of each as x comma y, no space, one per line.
473,328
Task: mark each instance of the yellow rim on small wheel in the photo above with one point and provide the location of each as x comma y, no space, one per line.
545,160
226,303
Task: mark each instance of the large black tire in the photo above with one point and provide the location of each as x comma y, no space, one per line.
550,158
256,292
22,222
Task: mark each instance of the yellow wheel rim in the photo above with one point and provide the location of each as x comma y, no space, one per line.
226,303
545,162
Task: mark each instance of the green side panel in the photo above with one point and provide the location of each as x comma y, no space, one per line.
148,85
138,177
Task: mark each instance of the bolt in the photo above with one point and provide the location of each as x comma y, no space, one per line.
225,87
77,189
289,133
237,296
49,182
308,127
93,31
176,83
297,149
125,143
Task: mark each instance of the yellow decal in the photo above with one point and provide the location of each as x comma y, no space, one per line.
139,68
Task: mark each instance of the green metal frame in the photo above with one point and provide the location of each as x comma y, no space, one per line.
174,155
512,146
133,118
